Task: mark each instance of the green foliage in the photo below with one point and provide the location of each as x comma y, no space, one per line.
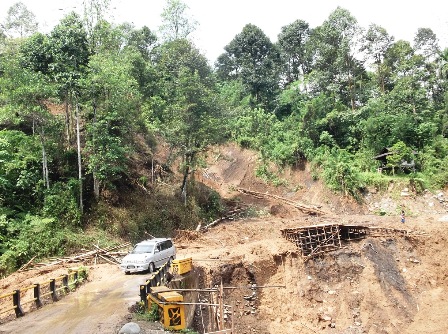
433,161
376,180
268,176
20,170
61,202
209,201
142,313
339,172
30,236
254,60
70,52
400,152
154,313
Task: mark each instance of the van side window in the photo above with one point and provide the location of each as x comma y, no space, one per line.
168,244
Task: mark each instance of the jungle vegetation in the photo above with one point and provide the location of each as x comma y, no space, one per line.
77,103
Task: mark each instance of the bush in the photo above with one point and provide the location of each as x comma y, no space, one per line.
31,236
61,202
339,172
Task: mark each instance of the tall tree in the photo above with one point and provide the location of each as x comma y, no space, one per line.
175,22
292,44
25,92
336,69
70,56
189,116
95,12
376,43
252,58
20,21
111,101
426,43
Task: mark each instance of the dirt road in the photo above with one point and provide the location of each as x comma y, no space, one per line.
98,306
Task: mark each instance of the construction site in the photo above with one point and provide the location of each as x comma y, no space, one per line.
306,261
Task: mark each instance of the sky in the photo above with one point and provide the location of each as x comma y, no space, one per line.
220,21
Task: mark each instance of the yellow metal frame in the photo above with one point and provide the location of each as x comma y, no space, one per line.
182,266
173,315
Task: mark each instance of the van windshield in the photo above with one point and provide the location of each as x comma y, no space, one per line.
140,249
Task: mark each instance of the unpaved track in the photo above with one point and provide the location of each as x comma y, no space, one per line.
97,306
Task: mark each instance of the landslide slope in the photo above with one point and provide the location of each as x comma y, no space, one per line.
386,284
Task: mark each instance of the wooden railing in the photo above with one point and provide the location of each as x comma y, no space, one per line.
51,288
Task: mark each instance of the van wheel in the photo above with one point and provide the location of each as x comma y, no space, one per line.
126,272
151,267
170,261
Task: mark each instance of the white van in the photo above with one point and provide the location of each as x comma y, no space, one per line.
149,255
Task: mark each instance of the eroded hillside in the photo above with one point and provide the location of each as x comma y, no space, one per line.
389,283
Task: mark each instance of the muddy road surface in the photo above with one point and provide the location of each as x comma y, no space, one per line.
98,306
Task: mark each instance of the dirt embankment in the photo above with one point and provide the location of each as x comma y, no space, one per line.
386,284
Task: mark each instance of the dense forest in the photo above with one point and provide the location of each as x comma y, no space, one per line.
78,103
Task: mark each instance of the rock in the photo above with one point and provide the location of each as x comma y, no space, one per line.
331,292
332,325
443,219
130,328
324,317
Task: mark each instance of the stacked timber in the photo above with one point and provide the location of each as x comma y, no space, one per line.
112,255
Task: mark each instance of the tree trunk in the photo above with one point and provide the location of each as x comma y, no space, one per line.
96,187
188,160
78,142
184,184
45,167
96,182
67,119
44,161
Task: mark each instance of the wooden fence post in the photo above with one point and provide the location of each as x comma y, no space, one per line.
143,296
54,295
16,302
37,295
65,282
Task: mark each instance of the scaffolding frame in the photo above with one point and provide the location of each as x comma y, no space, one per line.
318,239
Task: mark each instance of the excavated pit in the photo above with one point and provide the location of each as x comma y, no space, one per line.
361,288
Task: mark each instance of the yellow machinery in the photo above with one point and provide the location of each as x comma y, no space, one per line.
172,315
182,266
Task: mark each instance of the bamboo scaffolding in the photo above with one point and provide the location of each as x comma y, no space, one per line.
318,239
